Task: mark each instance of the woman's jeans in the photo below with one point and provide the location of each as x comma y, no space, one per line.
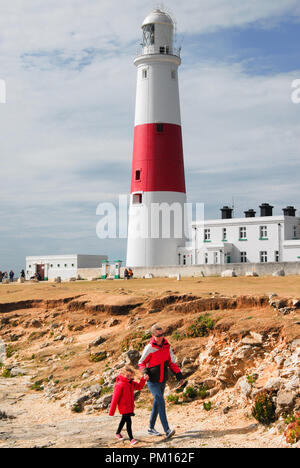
159,407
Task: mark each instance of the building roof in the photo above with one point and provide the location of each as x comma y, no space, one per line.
158,17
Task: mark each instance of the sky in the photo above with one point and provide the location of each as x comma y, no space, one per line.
66,129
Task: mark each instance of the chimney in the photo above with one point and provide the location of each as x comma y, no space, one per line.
289,211
226,212
250,213
266,209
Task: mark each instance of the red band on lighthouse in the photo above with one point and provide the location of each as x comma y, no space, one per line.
158,159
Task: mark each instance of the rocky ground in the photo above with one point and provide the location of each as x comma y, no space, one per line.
61,355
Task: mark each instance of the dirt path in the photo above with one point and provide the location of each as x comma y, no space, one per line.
39,423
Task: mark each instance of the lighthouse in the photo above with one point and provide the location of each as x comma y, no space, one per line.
158,194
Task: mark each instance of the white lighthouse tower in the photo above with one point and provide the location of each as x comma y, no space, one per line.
158,195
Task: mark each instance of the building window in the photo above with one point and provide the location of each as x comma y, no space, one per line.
137,199
73,265
276,255
224,234
138,174
243,257
160,127
243,233
206,258
58,265
184,260
29,266
216,257
263,257
51,266
148,35
145,73
66,265
206,234
263,232
295,232
173,74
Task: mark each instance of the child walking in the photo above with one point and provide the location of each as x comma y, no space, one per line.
123,397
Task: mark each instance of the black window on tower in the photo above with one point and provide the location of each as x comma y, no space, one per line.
160,127
138,175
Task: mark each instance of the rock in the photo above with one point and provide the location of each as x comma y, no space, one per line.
295,344
153,311
228,273
210,383
257,336
21,280
278,304
5,281
285,310
95,391
2,351
187,360
285,402
242,353
274,383
296,303
249,340
57,280
132,357
36,324
279,273
226,374
226,409
293,384
72,279
44,345
272,295
212,392
244,387
105,401
279,361
252,273
59,338
97,342
16,371
113,322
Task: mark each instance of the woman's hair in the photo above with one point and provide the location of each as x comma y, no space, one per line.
127,369
155,327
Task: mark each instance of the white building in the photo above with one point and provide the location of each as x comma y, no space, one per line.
252,239
65,266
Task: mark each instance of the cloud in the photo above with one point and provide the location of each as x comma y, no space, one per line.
66,130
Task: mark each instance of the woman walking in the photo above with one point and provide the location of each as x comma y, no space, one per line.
154,363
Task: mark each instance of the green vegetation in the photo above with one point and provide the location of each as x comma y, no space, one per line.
191,392
77,409
264,408
101,381
98,356
292,434
136,340
202,392
174,399
106,390
252,379
37,386
10,351
207,406
6,374
201,327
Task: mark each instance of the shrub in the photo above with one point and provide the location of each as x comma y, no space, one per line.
201,327
105,390
6,374
252,379
264,408
207,406
176,336
174,399
9,351
37,386
191,392
101,381
202,392
98,356
77,409
292,434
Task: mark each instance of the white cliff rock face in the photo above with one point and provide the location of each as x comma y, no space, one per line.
2,351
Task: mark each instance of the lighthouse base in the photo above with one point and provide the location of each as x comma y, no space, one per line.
156,229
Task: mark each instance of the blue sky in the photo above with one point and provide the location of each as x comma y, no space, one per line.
67,127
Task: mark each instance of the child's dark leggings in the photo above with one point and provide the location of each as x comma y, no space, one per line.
126,418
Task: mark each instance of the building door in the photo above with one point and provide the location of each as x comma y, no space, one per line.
228,259
40,269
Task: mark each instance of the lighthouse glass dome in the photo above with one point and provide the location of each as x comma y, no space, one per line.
158,34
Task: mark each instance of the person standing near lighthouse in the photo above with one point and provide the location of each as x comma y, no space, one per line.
158,194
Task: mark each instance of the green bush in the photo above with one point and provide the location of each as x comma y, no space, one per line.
207,406
191,392
37,386
9,351
98,356
6,374
176,336
201,327
264,408
174,399
202,392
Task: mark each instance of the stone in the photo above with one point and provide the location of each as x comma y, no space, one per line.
257,336
293,384
36,323
21,280
252,273
59,338
285,402
275,383
278,304
132,357
295,344
210,383
2,351
242,353
244,387
72,279
226,409
16,371
249,340
57,280
95,391
228,274
296,303
272,295
113,322
97,342
279,361
153,311
105,401
285,310
279,273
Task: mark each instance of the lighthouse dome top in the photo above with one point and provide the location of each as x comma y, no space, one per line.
158,17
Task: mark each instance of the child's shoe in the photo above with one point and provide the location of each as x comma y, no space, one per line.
119,436
133,442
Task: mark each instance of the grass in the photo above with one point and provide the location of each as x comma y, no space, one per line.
98,357
6,374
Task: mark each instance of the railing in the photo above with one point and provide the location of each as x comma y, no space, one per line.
151,50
